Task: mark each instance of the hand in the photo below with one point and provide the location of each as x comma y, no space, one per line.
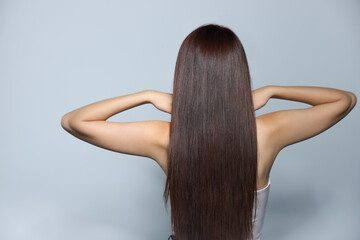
161,100
261,96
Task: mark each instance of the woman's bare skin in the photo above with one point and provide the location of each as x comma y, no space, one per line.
275,130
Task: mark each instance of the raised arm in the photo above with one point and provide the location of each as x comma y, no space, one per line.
143,138
329,106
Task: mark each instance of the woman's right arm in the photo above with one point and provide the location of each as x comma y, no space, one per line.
329,106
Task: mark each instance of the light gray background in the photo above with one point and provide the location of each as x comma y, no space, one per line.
56,56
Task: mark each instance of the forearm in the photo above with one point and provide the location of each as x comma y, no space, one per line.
310,95
102,110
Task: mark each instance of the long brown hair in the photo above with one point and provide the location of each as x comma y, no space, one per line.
212,151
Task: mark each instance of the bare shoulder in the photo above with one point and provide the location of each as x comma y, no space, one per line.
268,149
164,131
163,139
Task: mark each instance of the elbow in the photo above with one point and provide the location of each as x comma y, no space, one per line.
349,103
71,124
65,122
353,101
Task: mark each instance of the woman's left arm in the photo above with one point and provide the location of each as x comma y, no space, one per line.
144,138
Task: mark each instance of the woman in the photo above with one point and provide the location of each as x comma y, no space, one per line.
216,154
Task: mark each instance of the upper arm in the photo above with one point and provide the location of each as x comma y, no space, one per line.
143,138
295,125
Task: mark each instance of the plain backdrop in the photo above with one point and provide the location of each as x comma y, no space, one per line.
56,56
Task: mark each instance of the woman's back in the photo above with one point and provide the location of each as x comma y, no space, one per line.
266,157
266,153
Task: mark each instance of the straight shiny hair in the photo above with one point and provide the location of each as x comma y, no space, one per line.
212,151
